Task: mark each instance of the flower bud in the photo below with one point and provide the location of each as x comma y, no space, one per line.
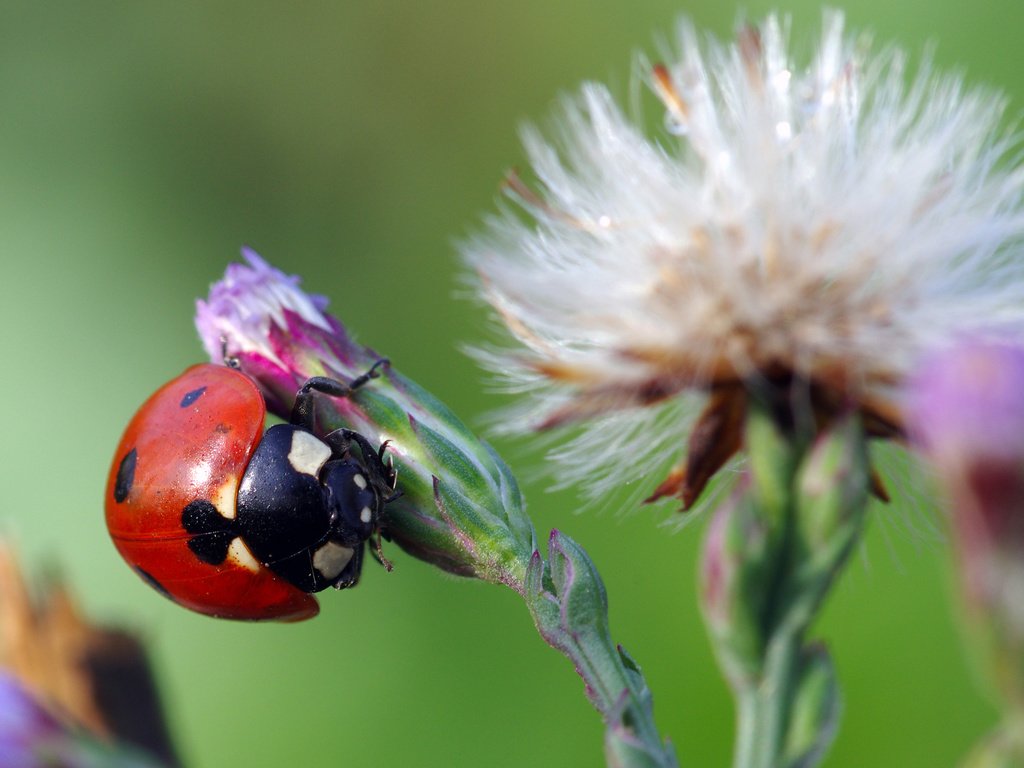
966,408
745,549
1003,748
832,486
32,737
26,729
831,498
737,570
773,549
567,596
460,507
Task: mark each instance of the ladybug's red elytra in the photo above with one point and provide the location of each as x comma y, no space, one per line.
234,522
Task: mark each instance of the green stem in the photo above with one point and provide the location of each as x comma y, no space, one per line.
771,558
567,600
747,728
765,711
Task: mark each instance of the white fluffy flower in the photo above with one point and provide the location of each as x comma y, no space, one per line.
818,224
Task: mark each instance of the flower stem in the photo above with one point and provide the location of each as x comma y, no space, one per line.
764,710
567,599
770,558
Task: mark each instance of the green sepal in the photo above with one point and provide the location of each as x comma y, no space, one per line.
83,750
623,749
736,597
816,709
567,599
774,454
478,489
832,497
484,539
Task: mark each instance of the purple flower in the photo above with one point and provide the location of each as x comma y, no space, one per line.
26,729
242,306
261,316
967,414
970,400
32,737
966,410
460,507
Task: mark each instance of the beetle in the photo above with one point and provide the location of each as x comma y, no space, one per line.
236,522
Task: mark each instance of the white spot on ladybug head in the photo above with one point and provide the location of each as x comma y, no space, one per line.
239,554
366,515
360,481
330,560
225,497
307,454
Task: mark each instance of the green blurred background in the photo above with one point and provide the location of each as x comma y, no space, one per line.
142,143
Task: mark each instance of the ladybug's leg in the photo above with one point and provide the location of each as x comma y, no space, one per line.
302,411
372,373
340,441
229,361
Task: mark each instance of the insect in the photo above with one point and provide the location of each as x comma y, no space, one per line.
231,521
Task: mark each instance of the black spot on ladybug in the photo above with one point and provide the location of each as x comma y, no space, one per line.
125,476
191,397
201,516
151,580
222,428
212,548
212,533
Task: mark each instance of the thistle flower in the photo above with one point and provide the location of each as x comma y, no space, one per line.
967,412
25,727
255,313
808,229
460,507
32,737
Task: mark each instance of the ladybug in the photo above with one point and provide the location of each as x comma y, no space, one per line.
233,521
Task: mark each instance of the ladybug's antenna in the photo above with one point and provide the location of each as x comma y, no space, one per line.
379,553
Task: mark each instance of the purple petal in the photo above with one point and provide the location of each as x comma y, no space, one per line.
24,724
970,399
966,411
251,298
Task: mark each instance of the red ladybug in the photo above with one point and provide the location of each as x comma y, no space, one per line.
231,521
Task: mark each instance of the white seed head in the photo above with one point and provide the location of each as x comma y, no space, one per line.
830,220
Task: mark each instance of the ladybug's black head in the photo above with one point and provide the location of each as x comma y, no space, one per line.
354,499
